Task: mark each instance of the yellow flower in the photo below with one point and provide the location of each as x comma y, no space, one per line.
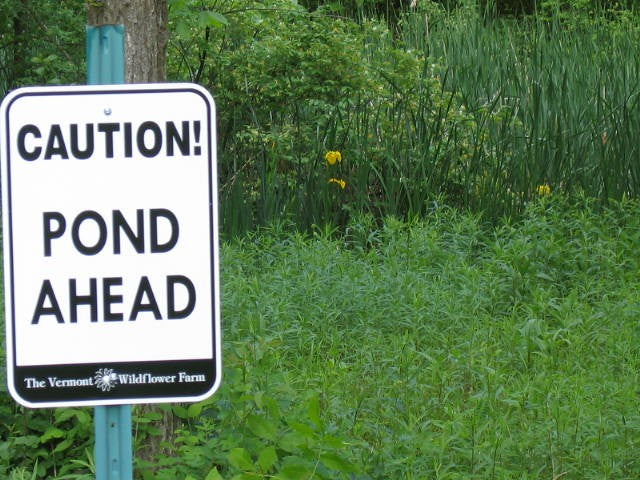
543,190
333,157
339,181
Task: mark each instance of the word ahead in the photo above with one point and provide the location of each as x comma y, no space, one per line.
144,300
81,142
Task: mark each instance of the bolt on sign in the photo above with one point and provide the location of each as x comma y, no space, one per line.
110,244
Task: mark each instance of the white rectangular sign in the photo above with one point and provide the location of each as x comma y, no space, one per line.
110,244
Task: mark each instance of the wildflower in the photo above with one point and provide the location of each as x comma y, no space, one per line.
339,181
543,190
333,157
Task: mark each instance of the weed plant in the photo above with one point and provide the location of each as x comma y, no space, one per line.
430,349
558,97
435,348
448,105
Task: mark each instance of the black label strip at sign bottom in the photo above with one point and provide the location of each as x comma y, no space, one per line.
94,382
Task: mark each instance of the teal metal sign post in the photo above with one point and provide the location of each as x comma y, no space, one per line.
105,54
113,442
113,448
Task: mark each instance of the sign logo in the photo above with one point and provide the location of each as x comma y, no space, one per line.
110,239
105,379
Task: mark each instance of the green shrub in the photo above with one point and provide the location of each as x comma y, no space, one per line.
286,97
45,443
42,43
478,114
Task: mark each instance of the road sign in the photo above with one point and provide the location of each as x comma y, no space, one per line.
110,244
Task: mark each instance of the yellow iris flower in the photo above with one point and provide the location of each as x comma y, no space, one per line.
543,190
333,157
338,181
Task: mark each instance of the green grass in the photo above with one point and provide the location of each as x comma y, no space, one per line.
439,348
434,349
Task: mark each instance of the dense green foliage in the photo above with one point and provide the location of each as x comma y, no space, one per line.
441,350
462,302
441,103
287,96
558,103
436,348
41,43
449,105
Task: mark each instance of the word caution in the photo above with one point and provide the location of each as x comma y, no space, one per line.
81,142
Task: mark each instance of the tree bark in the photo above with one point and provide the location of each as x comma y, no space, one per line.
146,35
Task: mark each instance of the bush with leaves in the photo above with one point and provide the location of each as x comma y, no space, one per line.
292,85
42,42
46,443
252,429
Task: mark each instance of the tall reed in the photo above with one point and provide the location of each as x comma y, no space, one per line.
485,114
560,100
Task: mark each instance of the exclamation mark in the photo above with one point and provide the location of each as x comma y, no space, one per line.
196,133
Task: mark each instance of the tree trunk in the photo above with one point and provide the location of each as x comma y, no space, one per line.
146,34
